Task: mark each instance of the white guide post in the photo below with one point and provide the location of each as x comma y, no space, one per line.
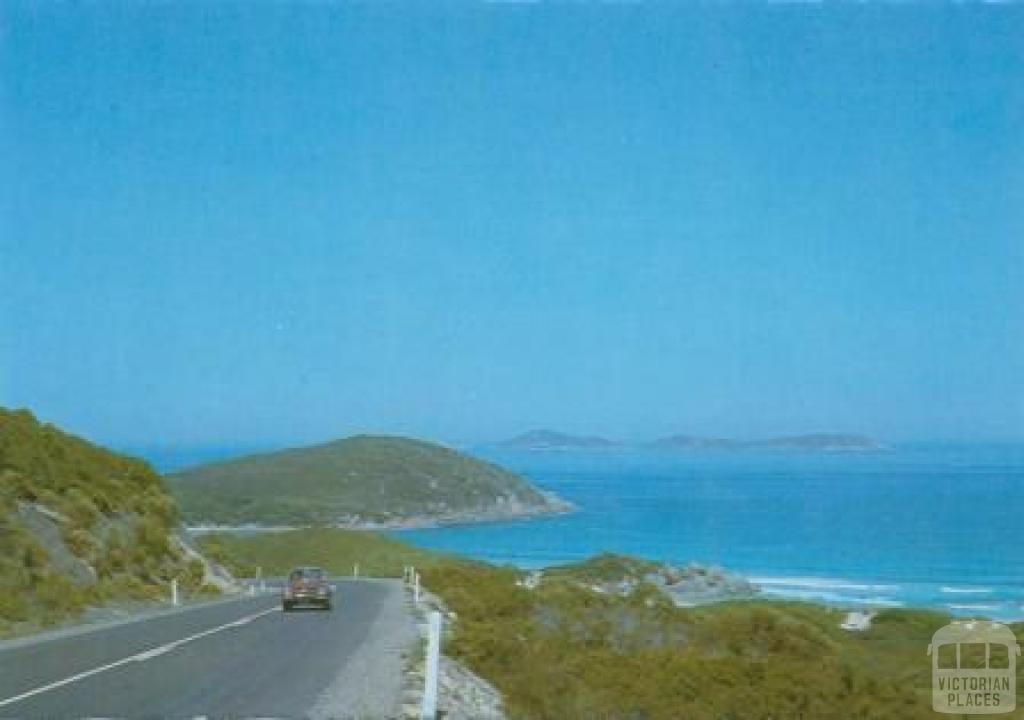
433,666
355,570
416,587
174,592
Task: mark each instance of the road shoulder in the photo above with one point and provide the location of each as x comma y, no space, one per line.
370,683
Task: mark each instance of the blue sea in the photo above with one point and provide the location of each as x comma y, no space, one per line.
934,526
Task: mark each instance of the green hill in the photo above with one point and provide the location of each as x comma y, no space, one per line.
80,526
358,481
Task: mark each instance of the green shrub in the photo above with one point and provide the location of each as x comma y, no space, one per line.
79,508
562,651
151,538
13,604
191,577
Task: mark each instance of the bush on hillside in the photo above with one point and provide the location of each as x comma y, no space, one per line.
561,651
112,512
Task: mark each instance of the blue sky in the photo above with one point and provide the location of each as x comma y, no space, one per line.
263,223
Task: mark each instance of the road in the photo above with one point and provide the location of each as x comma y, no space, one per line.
233,659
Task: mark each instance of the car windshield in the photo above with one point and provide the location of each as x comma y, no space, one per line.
306,575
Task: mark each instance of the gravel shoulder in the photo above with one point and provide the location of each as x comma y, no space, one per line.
370,683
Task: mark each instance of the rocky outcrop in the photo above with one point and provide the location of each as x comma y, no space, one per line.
45,526
464,695
622,575
214,575
697,585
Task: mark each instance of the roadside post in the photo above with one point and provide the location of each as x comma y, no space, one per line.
429,711
355,570
259,577
174,592
416,587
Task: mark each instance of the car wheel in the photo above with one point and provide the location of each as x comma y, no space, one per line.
286,607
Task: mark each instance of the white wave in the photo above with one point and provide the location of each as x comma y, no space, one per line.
966,590
820,595
822,584
834,598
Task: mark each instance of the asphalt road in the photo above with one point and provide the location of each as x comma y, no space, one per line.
233,659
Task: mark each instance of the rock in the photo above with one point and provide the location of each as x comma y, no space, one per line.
213,574
692,585
464,695
44,524
857,621
696,584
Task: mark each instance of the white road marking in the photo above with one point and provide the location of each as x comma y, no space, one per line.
137,657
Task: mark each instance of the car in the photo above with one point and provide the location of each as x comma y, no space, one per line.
307,586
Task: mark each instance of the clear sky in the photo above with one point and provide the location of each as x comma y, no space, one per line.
273,223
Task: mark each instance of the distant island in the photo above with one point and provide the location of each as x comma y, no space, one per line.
358,482
814,442
552,440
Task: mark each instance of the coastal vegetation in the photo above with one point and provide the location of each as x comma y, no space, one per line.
559,650
334,549
558,645
80,526
614,637
359,481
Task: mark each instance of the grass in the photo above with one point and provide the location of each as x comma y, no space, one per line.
332,549
605,568
363,478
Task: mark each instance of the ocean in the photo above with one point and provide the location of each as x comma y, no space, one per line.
934,526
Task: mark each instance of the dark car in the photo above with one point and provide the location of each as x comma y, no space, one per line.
307,586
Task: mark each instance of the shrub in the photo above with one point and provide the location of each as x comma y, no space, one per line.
151,538
562,651
79,508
